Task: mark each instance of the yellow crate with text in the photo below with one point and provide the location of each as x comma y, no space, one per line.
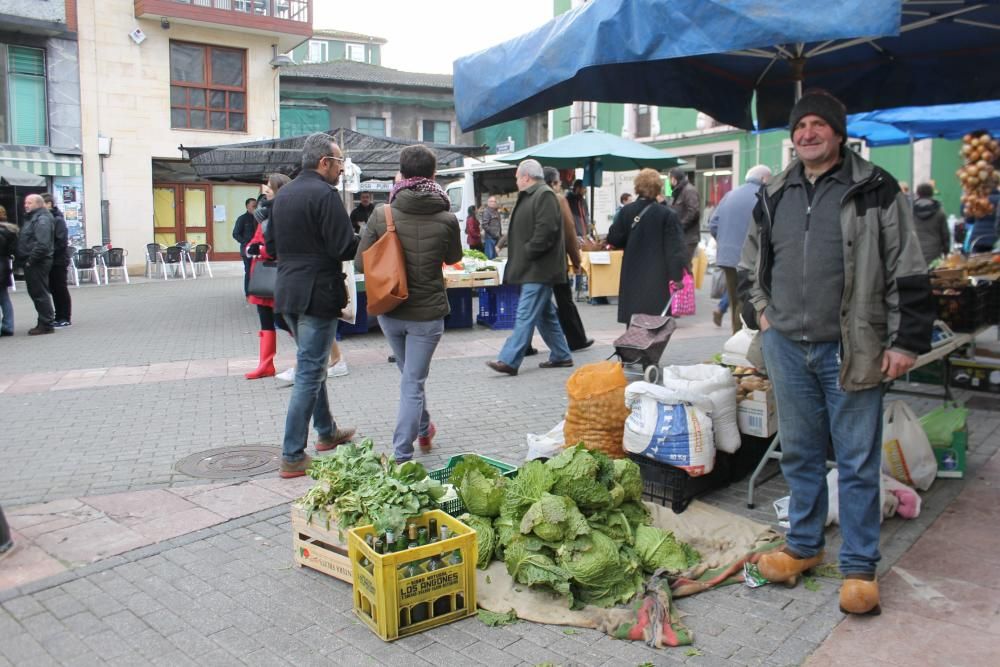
385,599
316,544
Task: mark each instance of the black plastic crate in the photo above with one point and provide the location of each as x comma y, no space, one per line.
961,309
674,488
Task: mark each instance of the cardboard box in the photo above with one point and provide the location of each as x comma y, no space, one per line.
975,375
757,415
951,460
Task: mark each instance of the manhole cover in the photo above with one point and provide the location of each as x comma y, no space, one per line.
227,462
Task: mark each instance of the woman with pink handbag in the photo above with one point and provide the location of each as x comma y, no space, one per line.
655,254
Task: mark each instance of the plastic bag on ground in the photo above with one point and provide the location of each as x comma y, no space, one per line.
906,452
670,426
548,445
941,422
596,413
715,382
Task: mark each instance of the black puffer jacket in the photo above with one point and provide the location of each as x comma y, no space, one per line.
8,246
932,228
430,237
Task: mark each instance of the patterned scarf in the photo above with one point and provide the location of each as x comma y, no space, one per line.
420,184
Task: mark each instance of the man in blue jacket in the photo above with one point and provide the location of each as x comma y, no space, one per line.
729,228
313,235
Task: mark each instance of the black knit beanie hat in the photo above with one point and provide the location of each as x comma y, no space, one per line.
824,105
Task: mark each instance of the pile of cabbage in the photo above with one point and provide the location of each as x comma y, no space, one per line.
574,525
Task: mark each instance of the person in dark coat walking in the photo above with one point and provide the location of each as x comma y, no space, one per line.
536,260
569,317
243,231
361,212
687,204
931,224
34,253
58,276
313,236
655,252
8,247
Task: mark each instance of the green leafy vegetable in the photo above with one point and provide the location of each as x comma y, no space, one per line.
554,519
356,486
811,584
659,549
495,619
475,254
583,476
534,568
479,485
533,480
485,538
628,475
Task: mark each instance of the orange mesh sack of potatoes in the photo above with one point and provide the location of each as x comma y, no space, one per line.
596,413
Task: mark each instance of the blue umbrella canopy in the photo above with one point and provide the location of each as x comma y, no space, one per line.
610,152
718,56
946,121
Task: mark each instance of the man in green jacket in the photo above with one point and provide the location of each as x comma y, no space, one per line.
834,277
536,260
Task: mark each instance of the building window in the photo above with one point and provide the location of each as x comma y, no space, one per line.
317,52
25,89
374,127
643,126
356,52
437,131
208,88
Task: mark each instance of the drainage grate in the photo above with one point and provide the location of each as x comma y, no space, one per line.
230,462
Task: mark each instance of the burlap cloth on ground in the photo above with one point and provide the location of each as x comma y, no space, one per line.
725,541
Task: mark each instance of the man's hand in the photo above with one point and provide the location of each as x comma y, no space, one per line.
895,364
762,319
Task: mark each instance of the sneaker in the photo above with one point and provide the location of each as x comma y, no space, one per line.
338,370
341,436
717,317
6,333
295,468
392,359
288,377
62,323
39,330
424,441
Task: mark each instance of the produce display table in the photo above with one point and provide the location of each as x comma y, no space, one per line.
603,269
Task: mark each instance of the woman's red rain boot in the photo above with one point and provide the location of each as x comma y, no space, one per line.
268,346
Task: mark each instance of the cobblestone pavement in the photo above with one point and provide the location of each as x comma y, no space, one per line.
228,594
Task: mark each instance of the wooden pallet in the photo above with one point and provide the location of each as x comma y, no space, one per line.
319,548
488,278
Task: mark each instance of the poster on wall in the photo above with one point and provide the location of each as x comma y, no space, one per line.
69,190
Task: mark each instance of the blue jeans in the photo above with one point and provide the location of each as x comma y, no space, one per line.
724,302
6,311
413,344
535,308
489,247
813,410
314,336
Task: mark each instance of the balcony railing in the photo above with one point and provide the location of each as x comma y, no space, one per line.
287,10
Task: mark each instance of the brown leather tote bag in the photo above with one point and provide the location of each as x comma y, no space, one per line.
385,270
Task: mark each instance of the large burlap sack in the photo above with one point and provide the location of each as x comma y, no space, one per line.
596,413
670,426
715,382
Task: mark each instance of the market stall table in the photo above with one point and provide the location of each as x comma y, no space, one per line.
603,269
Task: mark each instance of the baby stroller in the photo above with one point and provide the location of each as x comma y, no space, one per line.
643,343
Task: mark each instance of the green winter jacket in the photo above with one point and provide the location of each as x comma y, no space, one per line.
886,302
536,245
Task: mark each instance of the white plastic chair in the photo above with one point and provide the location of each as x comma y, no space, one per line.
114,260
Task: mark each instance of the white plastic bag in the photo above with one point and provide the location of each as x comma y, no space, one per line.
546,446
715,382
349,314
906,452
670,426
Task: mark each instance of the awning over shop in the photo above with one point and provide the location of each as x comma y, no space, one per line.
250,162
19,178
42,162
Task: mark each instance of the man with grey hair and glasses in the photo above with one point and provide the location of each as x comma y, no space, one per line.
536,260
313,235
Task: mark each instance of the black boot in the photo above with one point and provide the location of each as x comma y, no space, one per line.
6,542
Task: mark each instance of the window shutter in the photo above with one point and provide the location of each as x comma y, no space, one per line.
26,83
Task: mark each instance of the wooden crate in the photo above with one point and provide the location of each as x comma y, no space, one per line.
319,548
488,278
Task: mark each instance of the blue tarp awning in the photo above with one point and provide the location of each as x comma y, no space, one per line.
716,55
946,121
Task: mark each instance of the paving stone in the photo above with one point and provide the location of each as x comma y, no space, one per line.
43,626
23,607
236,642
489,655
84,624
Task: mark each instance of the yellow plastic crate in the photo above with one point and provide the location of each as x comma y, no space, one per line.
387,601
